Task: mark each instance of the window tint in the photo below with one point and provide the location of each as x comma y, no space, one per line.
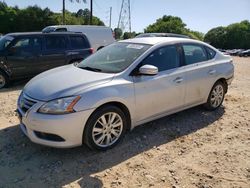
22,43
194,53
26,46
78,42
61,29
163,58
55,42
211,52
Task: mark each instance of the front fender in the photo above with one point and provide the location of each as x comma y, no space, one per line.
121,91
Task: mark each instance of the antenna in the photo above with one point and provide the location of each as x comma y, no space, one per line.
124,22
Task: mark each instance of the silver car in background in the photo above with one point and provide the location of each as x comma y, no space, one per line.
125,84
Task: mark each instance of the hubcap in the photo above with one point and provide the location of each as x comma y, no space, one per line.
217,96
2,81
107,129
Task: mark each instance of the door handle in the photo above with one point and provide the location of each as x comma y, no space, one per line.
178,80
211,72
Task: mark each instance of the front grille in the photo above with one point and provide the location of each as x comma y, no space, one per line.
25,102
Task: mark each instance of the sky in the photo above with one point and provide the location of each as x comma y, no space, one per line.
198,15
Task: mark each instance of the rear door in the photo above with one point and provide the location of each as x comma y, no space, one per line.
23,56
163,92
200,73
54,51
79,48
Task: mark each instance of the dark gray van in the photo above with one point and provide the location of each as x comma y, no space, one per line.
24,55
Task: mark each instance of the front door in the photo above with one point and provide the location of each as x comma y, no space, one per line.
23,56
164,92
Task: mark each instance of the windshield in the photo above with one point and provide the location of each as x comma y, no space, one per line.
48,29
5,41
114,58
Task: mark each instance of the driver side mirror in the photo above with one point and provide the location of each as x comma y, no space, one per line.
148,70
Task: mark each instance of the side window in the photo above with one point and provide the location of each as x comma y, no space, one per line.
22,43
61,29
211,53
37,44
78,42
26,46
194,53
55,42
164,58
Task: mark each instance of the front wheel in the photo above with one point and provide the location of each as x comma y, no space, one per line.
105,128
4,81
216,96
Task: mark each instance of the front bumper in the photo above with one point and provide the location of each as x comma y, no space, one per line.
69,127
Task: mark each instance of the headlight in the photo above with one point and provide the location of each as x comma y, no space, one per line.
60,106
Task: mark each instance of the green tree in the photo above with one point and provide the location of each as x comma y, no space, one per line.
172,24
128,35
118,33
33,18
235,35
217,37
167,24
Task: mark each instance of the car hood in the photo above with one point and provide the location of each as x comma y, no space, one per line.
63,81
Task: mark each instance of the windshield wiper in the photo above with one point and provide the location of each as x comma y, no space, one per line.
91,69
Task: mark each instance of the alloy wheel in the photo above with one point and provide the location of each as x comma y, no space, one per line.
217,96
107,129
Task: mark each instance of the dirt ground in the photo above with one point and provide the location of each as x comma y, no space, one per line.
193,148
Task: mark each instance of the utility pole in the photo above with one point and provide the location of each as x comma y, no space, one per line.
110,16
91,11
63,20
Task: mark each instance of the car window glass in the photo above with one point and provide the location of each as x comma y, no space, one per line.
78,42
55,42
26,46
115,57
163,58
211,53
194,53
61,29
22,43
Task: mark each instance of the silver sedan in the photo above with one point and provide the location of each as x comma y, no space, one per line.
125,84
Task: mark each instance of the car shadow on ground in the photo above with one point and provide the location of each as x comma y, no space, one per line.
23,163
15,85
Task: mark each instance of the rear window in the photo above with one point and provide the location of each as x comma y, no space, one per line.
211,53
55,42
194,53
78,42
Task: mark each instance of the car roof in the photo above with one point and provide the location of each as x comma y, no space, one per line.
41,33
158,40
162,35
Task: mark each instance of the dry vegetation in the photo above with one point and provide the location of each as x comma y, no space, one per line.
193,148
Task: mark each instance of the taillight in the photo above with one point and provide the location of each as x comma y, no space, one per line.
91,50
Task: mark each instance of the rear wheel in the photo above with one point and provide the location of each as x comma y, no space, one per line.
105,128
4,80
216,96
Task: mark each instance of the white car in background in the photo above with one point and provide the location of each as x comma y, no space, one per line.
121,86
98,36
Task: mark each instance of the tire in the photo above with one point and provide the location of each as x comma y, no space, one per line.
216,96
99,134
4,80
